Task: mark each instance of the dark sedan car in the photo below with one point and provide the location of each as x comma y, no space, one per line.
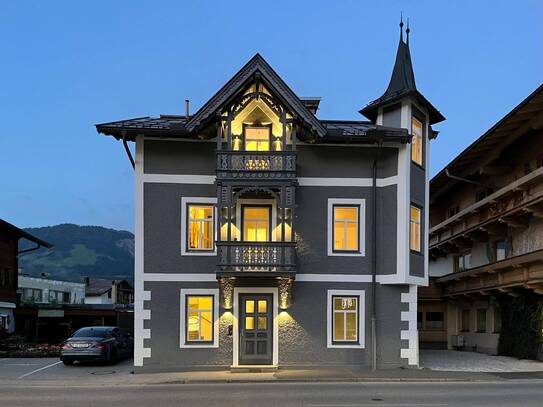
97,343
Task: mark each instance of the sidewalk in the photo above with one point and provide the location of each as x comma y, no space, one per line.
328,375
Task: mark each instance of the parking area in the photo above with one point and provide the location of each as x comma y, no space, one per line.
52,369
457,361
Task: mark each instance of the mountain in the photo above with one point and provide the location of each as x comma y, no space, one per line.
80,251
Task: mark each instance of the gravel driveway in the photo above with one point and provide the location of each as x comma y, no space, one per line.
455,361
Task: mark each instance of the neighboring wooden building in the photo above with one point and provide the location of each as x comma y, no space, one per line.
9,265
486,229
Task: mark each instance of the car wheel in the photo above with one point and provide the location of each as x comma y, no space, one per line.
68,362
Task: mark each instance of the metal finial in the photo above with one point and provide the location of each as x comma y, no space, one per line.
401,25
407,30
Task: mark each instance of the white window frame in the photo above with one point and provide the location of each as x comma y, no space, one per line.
361,203
418,224
361,343
420,138
198,292
185,201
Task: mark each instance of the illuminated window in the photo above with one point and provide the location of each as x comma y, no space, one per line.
256,223
414,229
416,141
200,227
199,318
346,226
345,319
257,138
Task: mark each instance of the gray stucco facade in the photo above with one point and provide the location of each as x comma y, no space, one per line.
265,236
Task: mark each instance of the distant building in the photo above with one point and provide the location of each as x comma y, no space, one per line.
104,291
42,290
486,238
9,264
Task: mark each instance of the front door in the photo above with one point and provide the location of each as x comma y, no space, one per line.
255,329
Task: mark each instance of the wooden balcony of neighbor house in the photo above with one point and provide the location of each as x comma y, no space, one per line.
513,205
256,165
265,258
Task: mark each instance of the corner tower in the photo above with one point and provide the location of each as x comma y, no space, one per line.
402,105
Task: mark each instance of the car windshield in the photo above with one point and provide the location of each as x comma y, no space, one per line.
97,332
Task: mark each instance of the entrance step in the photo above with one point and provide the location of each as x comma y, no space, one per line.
253,369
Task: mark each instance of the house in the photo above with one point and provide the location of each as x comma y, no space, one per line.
486,240
266,236
10,236
43,290
104,291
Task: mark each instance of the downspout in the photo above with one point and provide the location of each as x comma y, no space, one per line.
457,178
128,152
374,261
38,246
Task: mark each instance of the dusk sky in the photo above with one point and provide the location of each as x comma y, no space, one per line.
68,65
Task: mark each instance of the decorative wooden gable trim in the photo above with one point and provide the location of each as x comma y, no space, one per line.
273,80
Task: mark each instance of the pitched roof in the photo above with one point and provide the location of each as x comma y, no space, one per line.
23,234
240,79
402,84
99,286
173,125
525,116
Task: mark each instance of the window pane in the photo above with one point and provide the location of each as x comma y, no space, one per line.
481,320
414,229
435,320
257,139
339,236
262,306
339,326
346,228
206,329
345,303
346,213
256,224
249,306
249,323
416,142
351,326
200,227
352,236
193,326
262,323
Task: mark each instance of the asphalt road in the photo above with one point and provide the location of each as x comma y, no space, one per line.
510,394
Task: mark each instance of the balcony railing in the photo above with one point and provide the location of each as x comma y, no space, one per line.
257,256
256,165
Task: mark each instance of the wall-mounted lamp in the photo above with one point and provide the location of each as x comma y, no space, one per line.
226,286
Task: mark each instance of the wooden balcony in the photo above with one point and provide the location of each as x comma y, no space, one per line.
256,165
265,258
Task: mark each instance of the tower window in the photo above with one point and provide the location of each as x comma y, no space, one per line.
416,141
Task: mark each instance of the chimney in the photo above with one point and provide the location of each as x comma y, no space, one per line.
87,281
187,108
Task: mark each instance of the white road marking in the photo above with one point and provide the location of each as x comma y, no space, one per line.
377,403
40,369
1,360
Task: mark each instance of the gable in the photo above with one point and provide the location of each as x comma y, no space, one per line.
256,67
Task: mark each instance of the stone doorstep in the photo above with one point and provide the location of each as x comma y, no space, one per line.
253,369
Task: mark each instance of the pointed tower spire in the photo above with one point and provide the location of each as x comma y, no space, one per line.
401,25
402,82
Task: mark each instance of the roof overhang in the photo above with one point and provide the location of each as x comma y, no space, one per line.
524,117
